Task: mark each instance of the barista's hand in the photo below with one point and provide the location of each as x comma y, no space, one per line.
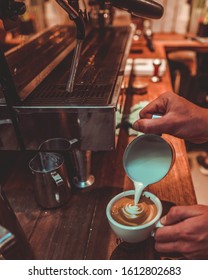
181,118
185,232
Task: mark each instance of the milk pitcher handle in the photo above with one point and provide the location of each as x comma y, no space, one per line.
72,141
57,178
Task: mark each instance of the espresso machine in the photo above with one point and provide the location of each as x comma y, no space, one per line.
65,82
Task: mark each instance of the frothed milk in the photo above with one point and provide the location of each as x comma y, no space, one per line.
139,187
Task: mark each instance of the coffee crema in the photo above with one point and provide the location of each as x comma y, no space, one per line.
125,212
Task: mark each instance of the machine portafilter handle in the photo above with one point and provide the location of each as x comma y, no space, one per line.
139,8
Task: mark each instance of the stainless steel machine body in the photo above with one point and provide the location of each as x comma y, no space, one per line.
46,110
54,92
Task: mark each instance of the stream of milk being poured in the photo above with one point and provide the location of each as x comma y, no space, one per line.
139,187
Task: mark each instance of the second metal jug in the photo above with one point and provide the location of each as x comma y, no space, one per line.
77,162
52,187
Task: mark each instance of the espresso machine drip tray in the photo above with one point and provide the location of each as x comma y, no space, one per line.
98,70
42,105
90,95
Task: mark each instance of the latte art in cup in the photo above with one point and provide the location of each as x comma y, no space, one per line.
139,225
125,212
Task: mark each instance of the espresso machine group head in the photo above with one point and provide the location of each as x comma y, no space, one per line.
11,9
139,8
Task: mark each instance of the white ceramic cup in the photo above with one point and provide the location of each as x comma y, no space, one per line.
134,234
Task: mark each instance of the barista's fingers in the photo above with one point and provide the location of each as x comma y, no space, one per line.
180,213
175,221
156,126
159,105
168,233
168,247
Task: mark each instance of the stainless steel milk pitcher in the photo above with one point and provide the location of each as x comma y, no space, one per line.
52,187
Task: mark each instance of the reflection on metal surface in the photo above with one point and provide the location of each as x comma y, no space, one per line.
78,163
7,239
40,56
52,187
82,165
74,65
6,121
88,113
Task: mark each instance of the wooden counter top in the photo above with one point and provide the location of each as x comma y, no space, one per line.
79,229
187,41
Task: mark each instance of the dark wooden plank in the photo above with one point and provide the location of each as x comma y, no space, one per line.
102,241
63,233
19,191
